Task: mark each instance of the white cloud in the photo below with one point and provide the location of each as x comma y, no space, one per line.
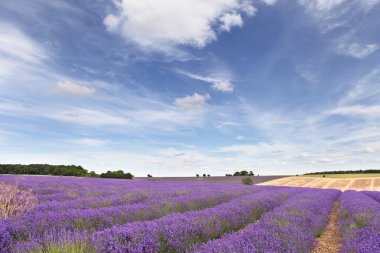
230,20
364,90
357,50
320,5
158,24
270,2
70,88
370,111
15,44
90,142
192,102
240,137
258,149
219,82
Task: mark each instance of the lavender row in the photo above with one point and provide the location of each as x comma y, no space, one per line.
35,227
291,227
359,222
132,197
373,194
178,232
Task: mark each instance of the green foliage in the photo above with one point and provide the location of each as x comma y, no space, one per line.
345,172
117,174
228,175
247,181
92,174
44,169
243,173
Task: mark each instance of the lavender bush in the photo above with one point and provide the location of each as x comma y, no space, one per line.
178,232
291,227
359,223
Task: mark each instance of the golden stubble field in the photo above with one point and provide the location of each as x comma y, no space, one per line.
344,183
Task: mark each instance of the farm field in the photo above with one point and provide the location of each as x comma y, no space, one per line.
110,215
215,179
363,175
344,183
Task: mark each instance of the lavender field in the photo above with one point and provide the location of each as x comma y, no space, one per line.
61,214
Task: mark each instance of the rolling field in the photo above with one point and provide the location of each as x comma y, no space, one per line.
343,183
363,175
106,215
215,179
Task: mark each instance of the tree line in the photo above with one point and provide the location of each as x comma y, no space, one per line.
241,173
59,170
345,172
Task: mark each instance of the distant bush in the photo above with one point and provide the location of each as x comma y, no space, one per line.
15,201
116,174
247,181
228,175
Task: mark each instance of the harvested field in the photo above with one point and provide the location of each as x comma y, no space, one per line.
376,184
361,184
371,184
339,184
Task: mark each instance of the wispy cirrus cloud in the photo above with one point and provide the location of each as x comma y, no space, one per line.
219,82
15,44
359,51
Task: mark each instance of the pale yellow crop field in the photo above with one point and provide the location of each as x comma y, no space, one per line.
345,183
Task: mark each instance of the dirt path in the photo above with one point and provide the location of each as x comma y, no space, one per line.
330,240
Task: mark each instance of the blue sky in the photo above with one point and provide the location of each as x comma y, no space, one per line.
175,88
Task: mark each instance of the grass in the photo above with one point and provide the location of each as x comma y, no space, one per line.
363,175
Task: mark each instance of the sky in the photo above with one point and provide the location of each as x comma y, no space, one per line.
175,88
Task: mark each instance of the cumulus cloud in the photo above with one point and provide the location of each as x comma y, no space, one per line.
356,50
155,24
219,83
192,102
73,89
230,20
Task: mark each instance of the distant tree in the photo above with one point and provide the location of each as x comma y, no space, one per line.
149,175
197,175
204,175
237,173
243,173
44,169
93,174
251,173
228,175
208,175
117,174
